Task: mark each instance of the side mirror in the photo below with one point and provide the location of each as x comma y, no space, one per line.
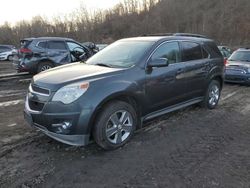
161,62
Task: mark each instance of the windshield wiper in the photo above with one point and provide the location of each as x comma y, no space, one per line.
103,65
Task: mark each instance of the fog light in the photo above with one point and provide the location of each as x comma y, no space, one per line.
66,125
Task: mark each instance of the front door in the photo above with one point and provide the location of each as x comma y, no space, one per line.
164,85
58,52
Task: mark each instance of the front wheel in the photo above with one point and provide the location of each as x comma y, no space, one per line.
212,95
115,125
10,58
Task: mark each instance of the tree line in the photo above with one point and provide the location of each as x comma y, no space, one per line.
226,21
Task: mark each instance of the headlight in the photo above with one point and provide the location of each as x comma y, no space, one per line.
70,93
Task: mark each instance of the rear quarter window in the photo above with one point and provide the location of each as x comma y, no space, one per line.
42,44
213,50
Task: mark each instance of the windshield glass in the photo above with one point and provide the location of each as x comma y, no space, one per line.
240,56
122,54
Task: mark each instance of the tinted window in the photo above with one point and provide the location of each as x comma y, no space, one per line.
205,53
42,44
191,51
170,51
56,45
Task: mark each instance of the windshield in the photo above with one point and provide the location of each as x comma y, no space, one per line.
240,56
122,54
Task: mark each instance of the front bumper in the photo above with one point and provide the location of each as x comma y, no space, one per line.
237,77
52,124
3,57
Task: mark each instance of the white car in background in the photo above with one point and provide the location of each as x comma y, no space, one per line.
7,52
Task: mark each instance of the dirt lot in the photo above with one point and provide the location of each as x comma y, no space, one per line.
6,67
189,148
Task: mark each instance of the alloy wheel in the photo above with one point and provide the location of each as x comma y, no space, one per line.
119,127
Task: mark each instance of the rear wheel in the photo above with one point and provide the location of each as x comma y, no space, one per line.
44,66
115,125
212,95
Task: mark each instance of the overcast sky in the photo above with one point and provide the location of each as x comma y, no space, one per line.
16,10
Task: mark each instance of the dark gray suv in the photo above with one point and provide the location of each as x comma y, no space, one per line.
115,91
39,54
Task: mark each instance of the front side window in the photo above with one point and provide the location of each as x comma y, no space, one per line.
73,46
170,51
191,51
56,45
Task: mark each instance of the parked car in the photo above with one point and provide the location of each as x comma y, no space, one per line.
91,46
125,84
225,51
101,46
7,52
238,67
39,54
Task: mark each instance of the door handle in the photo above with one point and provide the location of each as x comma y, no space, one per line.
179,71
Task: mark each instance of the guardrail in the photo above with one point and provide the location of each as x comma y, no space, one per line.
13,76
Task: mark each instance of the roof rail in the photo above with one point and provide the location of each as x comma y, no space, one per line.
177,34
190,35
157,34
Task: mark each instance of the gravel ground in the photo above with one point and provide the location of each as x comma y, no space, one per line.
193,147
6,67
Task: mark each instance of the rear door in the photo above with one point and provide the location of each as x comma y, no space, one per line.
164,85
58,52
197,66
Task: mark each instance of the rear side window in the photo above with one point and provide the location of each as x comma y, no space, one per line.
42,44
191,51
57,45
170,51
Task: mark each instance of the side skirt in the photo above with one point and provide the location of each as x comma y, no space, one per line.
171,109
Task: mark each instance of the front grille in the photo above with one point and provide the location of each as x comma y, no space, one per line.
36,106
40,90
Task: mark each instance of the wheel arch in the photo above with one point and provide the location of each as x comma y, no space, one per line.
45,61
120,96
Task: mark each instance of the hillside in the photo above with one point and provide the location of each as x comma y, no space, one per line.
227,21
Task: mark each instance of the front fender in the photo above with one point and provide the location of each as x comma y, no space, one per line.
95,99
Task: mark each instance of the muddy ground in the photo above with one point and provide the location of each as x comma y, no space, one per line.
193,147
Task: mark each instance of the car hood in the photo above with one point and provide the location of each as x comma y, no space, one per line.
55,78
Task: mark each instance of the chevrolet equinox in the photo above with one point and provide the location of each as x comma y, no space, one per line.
131,81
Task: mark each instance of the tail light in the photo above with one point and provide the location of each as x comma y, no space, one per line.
25,50
225,61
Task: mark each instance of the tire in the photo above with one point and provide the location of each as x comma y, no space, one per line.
10,58
212,95
111,130
44,66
